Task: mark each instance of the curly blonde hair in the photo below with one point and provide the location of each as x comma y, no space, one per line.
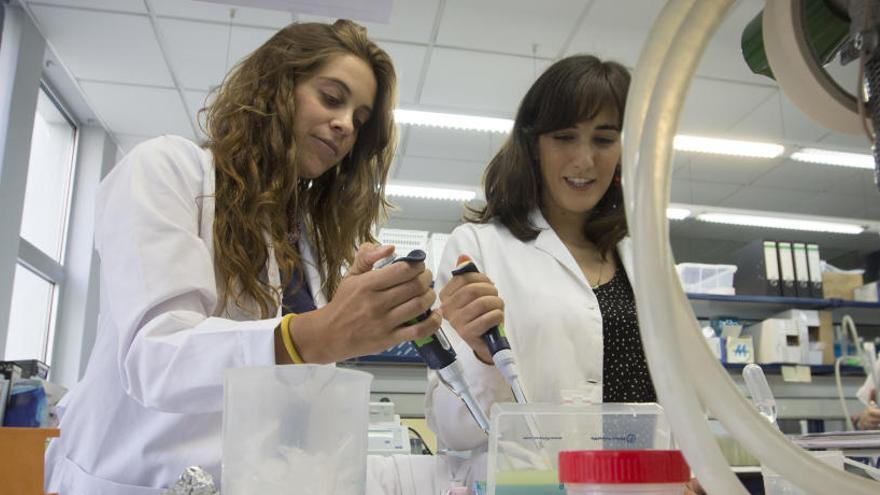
259,194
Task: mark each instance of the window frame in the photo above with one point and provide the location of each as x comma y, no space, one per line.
37,261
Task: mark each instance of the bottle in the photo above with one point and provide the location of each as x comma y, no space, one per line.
612,472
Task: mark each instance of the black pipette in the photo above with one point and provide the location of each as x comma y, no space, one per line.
439,354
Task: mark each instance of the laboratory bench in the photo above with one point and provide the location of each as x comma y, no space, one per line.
404,384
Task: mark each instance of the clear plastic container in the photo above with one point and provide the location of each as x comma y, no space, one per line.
525,440
700,278
610,472
300,427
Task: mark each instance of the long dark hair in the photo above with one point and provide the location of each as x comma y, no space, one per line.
258,188
571,90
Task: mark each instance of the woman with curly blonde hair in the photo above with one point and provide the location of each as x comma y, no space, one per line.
208,252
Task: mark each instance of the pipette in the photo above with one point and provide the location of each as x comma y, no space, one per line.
440,356
759,389
497,342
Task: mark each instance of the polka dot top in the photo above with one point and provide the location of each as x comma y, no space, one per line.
624,367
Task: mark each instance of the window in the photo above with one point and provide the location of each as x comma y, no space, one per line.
39,274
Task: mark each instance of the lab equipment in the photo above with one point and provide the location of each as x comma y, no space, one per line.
516,465
387,436
497,342
759,389
670,332
302,426
501,353
440,356
610,472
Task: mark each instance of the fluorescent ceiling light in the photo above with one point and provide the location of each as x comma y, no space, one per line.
727,147
781,223
677,213
839,158
429,192
453,121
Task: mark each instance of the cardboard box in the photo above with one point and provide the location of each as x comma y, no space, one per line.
737,350
777,340
826,336
840,285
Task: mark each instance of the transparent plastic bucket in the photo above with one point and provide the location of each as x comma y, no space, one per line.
295,429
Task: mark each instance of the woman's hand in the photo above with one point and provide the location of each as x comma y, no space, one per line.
869,419
369,312
470,303
693,487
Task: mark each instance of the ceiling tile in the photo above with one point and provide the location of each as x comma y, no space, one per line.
858,143
700,193
478,83
440,172
195,100
127,141
523,25
104,47
245,40
778,118
202,53
206,11
111,5
140,111
608,43
833,205
199,51
765,199
713,106
611,31
450,144
806,177
408,61
411,21
725,169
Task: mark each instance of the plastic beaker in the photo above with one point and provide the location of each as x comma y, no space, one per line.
295,429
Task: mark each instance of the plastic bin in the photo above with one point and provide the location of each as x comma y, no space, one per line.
700,278
295,429
526,439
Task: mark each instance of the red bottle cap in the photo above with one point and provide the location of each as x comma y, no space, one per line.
623,466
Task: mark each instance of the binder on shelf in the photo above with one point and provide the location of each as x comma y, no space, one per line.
786,269
815,271
757,269
801,270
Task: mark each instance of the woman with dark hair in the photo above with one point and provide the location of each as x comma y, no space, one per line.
552,249
204,248
550,245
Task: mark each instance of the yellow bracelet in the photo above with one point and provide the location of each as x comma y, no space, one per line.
288,343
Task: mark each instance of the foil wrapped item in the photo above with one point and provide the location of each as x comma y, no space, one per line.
193,481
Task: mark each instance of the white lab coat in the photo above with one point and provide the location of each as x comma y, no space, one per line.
150,402
551,318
